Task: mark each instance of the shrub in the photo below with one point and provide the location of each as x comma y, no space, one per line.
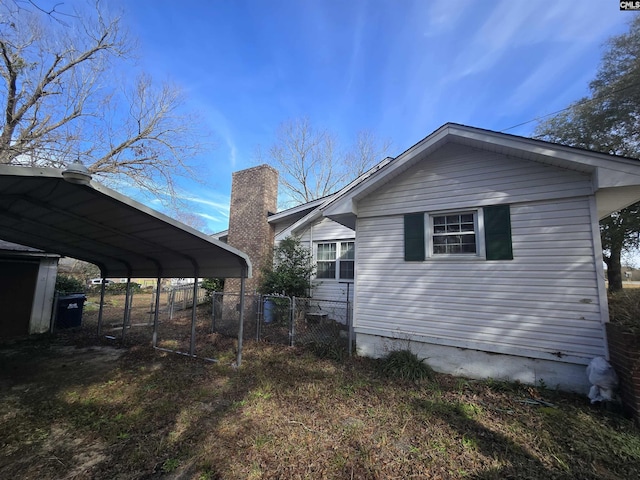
66,284
624,309
290,272
212,285
121,288
405,365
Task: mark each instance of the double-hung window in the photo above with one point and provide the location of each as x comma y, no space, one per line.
454,233
335,260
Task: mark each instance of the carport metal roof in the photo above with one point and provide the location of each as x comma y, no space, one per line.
41,209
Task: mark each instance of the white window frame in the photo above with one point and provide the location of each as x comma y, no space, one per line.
338,244
478,220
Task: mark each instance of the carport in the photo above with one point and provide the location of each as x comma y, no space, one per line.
67,213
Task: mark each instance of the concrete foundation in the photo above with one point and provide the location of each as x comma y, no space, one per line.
482,365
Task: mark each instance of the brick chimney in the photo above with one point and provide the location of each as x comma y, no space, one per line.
254,194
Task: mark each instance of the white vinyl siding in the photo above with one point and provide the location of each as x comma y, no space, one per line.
458,177
544,303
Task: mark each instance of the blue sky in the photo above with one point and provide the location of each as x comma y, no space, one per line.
399,68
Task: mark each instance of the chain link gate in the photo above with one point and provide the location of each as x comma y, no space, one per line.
275,320
225,314
314,323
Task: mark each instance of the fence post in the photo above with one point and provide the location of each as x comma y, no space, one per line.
194,305
127,307
156,312
259,315
213,311
292,315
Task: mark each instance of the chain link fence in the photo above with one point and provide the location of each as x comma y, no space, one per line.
316,323
319,324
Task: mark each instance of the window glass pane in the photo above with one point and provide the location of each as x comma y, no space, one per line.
454,234
346,269
347,250
326,251
326,270
469,248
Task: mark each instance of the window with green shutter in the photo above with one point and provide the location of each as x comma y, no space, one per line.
459,234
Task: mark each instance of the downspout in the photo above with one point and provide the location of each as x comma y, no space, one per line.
600,280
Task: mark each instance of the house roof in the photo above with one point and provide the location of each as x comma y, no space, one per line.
10,249
616,179
302,215
41,209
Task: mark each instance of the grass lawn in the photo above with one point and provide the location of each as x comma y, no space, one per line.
87,410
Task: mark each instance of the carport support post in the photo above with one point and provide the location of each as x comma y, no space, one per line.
192,347
126,308
102,289
241,327
155,314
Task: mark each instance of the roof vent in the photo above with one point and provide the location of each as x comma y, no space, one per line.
77,173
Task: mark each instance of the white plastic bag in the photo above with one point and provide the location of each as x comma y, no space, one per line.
604,380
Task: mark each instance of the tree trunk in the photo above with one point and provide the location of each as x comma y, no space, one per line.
614,269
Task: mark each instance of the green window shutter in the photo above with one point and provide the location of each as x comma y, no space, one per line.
497,232
414,237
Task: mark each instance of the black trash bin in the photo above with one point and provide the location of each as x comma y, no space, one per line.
69,311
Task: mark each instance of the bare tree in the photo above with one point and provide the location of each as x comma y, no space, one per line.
62,101
311,164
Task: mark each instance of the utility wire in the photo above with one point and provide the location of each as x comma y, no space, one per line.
580,102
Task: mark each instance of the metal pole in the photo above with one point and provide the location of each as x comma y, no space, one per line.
349,326
103,285
156,314
171,299
260,315
213,311
153,302
126,308
292,311
54,313
241,327
192,347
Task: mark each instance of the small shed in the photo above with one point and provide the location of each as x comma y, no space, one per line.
27,283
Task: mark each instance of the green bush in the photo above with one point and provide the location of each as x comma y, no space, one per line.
212,285
66,284
405,365
624,309
121,288
290,272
